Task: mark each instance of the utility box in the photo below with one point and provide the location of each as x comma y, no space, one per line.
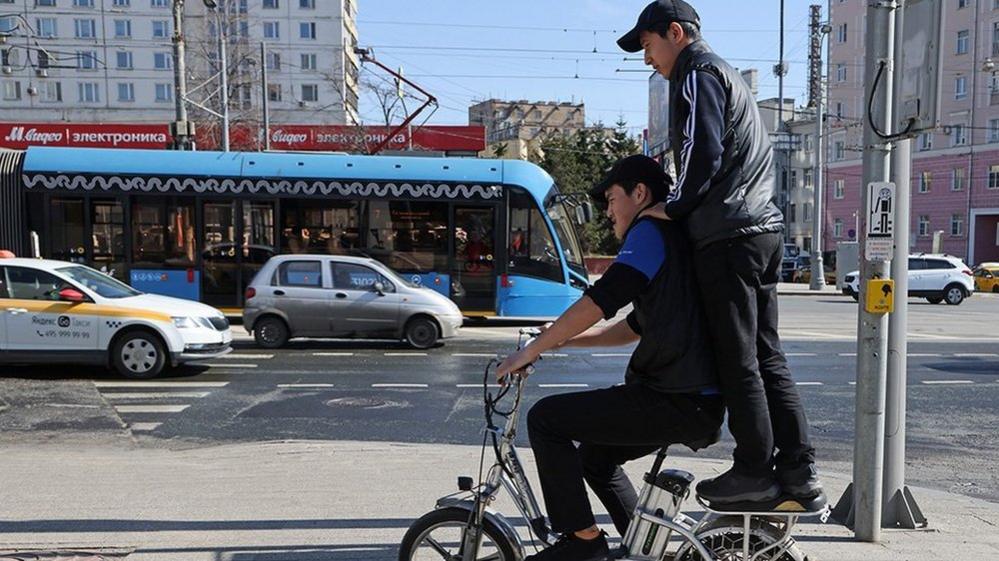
847,260
921,63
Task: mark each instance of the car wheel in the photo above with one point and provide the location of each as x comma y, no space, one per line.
271,332
934,300
995,289
954,294
421,333
855,296
139,354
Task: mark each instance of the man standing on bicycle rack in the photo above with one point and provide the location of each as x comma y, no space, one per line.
669,394
725,198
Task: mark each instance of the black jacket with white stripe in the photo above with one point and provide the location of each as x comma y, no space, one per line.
724,161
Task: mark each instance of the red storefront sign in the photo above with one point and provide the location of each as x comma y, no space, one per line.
443,138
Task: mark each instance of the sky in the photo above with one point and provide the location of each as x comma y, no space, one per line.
463,51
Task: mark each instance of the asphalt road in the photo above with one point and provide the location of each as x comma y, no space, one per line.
380,391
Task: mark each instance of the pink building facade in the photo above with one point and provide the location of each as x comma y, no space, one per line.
955,169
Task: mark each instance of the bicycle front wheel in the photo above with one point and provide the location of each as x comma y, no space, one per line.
438,536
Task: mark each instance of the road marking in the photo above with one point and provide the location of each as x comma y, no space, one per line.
801,354
475,355
924,355
73,405
791,333
847,354
399,386
475,385
151,408
554,355
143,427
946,382
975,355
218,365
808,383
853,383
332,354
245,356
159,384
405,354
931,336
155,395
563,385
610,354
292,386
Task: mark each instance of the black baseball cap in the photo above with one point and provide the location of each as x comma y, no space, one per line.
637,168
656,13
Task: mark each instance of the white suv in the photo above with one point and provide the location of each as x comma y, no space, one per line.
936,277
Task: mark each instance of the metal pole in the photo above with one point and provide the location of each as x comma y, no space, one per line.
266,99
785,176
224,76
818,271
872,331
181,127
899,508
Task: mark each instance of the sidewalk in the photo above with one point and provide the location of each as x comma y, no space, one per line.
336,501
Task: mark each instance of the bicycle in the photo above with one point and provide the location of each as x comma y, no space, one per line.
659,530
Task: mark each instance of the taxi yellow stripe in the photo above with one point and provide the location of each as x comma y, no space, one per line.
83,309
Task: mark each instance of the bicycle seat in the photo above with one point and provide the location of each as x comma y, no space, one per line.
700,443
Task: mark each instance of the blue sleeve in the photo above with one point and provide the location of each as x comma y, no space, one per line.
701,147
643,249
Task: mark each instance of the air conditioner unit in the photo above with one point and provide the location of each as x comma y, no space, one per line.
32,91
303,104
7,70
42,72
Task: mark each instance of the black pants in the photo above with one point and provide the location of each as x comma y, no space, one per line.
612,426
738,283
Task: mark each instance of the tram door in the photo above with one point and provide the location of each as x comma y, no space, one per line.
237,239
474,265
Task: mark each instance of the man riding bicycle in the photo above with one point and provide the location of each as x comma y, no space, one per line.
669,394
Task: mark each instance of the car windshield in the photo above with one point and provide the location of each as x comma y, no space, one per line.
100,283
566,232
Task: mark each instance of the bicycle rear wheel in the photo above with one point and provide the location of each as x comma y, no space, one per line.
437,536
724,539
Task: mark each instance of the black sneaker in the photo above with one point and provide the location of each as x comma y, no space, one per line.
733,487
571,548
801,482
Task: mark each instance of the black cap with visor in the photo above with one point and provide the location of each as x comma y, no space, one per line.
656,14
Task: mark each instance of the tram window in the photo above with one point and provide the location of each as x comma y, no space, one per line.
319,226
67,230
408,236
163,234
107,233
532,250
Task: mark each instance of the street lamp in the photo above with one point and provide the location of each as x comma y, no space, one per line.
213,6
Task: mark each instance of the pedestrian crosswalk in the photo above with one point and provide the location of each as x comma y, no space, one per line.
144,405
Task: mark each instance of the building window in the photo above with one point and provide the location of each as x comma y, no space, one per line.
925,181
962,42
271,4
838,228
993,177
77,3
808,178
807,208
126,91
272,30
956,225
85,28
46,27
958,135
995,38
793,212
307,4
924,225
841,33
840,72
839,150
161,29
957,179
839,109
123,60
960,87
162,61
993,130
89,92
808,143
273,61
122,3
43,59
307,30
159,3
86,60
926,141
51,91
164,92
122,28
310,92
274,92
11,90
308,62
839,189
962,4
45,3
8,57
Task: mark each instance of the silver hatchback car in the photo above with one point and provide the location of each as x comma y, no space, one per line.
343,297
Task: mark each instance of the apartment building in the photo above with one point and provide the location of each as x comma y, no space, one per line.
111,61
955,168
521,125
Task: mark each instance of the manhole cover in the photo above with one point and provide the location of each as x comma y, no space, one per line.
365,403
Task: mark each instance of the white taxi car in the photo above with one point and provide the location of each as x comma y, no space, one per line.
60,312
